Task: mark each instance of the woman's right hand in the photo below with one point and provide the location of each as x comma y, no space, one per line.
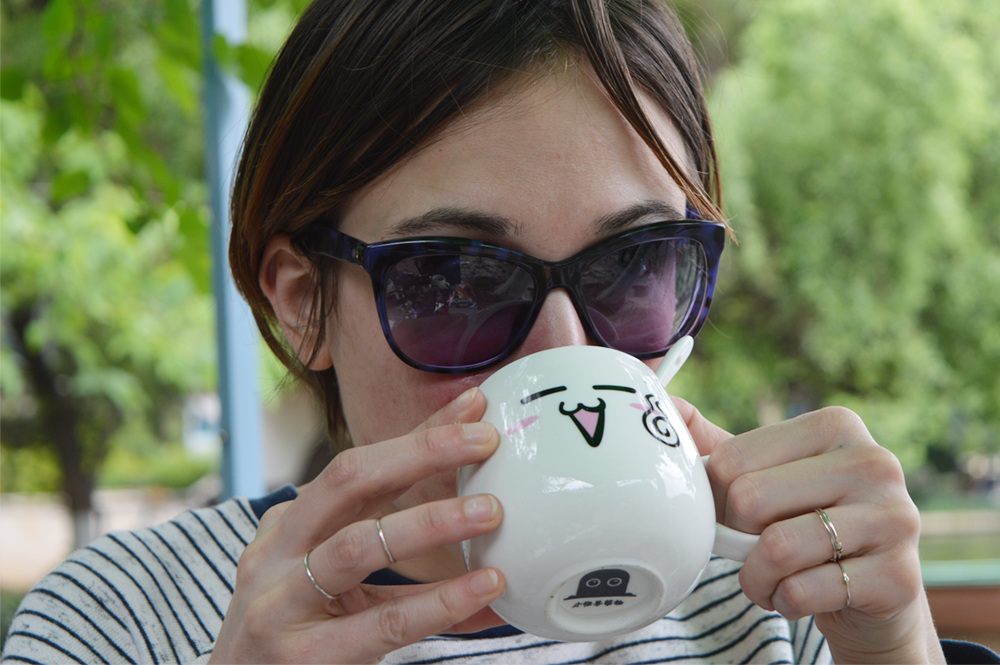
276,615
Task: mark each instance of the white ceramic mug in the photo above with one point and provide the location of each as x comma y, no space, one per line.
609,519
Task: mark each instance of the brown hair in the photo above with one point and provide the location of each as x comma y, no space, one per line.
360,84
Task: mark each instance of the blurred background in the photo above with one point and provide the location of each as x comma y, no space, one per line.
860,150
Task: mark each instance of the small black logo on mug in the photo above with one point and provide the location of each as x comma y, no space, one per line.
604,583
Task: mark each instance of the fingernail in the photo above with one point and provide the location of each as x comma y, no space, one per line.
464,401
480,508
477,433
484,582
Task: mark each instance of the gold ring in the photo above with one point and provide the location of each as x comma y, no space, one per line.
838,547
381,536
313,579
847,584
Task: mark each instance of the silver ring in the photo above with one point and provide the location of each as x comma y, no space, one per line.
838,547
847,584
381,536
313,579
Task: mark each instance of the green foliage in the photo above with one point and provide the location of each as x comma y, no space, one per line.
108,310
168,466
105,297
32,469
859,145
106,277
247,61
715,28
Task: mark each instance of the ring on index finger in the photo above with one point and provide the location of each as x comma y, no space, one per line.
838,547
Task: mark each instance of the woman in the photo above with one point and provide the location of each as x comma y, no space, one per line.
548,128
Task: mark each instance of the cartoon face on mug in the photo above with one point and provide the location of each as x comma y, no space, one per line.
604,407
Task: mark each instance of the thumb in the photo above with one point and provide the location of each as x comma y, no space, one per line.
705,433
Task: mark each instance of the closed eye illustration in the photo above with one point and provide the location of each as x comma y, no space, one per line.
656,422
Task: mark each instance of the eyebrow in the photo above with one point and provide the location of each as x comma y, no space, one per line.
498,226
456,218
622,219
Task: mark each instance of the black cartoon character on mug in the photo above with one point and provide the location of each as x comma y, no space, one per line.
589,419
603,583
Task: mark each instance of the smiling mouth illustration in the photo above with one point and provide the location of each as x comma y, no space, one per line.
589,420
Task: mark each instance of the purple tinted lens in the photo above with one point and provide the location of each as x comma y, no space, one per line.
455,310
640,298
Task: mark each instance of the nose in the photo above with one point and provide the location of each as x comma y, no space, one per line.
558,324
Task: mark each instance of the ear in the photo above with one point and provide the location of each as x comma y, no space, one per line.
287,279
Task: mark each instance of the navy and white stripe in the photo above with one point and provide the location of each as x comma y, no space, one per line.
150,596
159,596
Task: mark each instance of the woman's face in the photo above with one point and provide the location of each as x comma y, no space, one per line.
551,159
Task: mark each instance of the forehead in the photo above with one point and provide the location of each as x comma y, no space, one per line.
551,154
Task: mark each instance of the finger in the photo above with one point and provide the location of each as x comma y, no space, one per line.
357,550
427,527
390,625
706,434
819,590
806,436
467,407
374,595
803,542
850,474
757,499
271,517
879,586
360,480
484,619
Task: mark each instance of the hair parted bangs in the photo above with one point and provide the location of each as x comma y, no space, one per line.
361,84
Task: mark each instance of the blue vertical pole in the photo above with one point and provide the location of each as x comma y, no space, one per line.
227,105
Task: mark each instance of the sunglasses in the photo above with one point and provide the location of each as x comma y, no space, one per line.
454,305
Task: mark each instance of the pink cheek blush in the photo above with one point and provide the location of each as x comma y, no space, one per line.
520,425
638,406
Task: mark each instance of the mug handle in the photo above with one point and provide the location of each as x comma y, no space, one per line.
732,544
674,360
729,543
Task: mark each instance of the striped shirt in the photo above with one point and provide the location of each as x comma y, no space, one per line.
159,595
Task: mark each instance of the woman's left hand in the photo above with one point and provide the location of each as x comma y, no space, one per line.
771,481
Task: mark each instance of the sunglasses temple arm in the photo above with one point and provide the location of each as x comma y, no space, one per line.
674,360
331,243
349,249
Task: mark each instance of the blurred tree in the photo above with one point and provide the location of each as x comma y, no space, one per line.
860,147
716,28
106,310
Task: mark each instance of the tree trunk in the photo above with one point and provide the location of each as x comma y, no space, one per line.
60,420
